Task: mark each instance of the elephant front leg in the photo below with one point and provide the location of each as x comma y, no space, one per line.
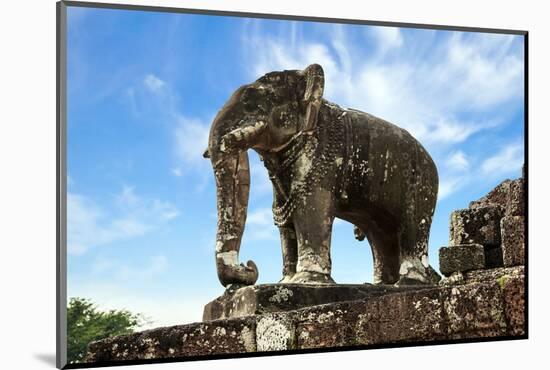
290,252
313,224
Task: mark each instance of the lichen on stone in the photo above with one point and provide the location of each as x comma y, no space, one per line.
274,333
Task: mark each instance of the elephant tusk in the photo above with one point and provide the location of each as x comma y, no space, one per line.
240,137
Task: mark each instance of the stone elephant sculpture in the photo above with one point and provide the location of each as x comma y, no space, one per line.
324,162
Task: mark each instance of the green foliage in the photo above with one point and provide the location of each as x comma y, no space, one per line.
85,324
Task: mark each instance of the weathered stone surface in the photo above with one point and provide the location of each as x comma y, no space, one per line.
454,278
275,332
513,240
514,304
497,196
516,199
265,298
435,314
494,306
498,275
461,258
476,226
392,318
474,310
218,337
491,275
331,325
509,195
405,317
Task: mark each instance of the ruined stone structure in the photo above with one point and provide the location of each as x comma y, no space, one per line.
482,296
489,234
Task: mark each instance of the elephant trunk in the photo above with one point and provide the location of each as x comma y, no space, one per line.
232,175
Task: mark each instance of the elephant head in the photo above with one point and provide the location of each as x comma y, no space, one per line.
264,115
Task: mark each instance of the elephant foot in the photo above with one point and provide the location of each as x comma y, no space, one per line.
308,277
413,272
286,279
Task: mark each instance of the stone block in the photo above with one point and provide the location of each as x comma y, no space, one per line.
484,276
408,317
461,258
197,339
497,196
513,240
476,226
515,203
331,325
391,318
269,298
510,195
474,310
514,304
492,275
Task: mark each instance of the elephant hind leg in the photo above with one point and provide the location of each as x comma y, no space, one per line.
385,254
414,265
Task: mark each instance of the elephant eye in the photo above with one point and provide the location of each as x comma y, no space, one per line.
254,99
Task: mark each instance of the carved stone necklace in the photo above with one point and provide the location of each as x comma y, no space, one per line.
321,148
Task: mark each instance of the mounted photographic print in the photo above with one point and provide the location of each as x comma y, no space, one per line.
236,184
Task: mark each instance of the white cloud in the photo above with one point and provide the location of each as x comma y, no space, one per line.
260,233
443,89
260,225
191,137
260,217
449,132
190,134
260,185
484,70
127,198
387,37
425,89
508,160
448,186
190,142
122,272
458,161
158,264
90,225
153,83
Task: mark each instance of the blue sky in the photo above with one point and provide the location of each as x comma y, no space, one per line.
144,87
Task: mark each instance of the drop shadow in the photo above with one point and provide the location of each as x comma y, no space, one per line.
47,358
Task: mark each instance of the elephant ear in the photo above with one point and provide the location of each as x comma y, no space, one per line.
315,84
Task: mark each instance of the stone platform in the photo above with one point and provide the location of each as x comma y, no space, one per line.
269,298
481,296
480,304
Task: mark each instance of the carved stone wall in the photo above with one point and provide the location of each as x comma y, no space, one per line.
482,296
479,306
